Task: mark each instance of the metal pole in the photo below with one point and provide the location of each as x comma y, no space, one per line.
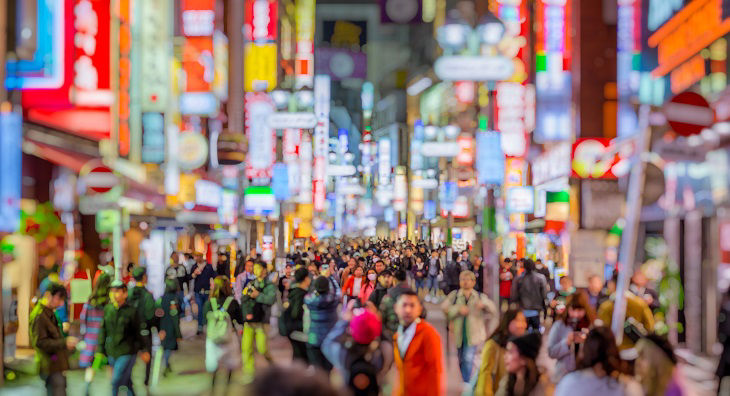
627,252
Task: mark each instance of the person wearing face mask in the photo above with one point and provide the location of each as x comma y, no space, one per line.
545,271
354,284
492,370
368,286
568,334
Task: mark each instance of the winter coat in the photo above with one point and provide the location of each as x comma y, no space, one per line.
170,321
563,353
48,341
201,282
491,370
420,371
349,288
476,331
451,274
122,332
143,301
335,349
294,314
387,309
322,315
529,290
636,308
376,297
260,306
421,273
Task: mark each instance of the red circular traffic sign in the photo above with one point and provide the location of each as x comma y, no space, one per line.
689,113
98,177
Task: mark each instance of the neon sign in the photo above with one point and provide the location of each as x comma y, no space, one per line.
91,54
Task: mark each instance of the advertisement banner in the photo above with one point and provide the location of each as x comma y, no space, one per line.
153,138
91,83
304,57
490,158
155,34
11,140
260,20
259,67
261,138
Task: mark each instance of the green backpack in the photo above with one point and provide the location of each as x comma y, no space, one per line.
219,322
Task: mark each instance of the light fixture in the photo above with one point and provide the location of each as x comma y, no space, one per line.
453,34
280,98
490,29
305,99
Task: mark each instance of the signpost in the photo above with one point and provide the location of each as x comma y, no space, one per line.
98,177
689,113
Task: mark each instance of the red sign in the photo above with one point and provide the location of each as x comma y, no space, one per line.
198,22
260,21
91,54
98,177
689,113
590,160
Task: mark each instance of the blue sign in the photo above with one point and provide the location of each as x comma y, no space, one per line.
11,163
490,158
429,210
153,138
447,195
280,182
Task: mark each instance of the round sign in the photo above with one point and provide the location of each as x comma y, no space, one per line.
193,151
401,11
689,113
99,178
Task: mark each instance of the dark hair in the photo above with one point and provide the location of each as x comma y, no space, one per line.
578,301
300,275
171,285
57,289
409,292
501,334
599,348
100,296
400,275
292,381
528,264
532,377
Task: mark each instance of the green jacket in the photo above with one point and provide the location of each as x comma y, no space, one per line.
387,310
121,332
143,301
48,341
259,306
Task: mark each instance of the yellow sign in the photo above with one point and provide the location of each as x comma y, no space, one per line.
259,67
187,188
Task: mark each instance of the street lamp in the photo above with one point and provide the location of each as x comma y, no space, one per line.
490,29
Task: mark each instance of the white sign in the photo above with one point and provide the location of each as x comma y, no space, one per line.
473,68
207,193
285,120
340,170
552,164
440,149
426,184
520,200
383,162
400,192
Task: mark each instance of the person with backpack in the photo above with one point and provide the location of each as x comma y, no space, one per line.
201,274
121,338
293,315
322,306
142,300
354,348
257,298
221,341
92,315
467,311
529,291
170,335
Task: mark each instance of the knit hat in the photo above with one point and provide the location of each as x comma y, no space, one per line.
322,285
365,327
528,344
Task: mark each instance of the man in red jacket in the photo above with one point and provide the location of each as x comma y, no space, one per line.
417,350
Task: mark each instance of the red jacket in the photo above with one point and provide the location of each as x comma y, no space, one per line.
421,370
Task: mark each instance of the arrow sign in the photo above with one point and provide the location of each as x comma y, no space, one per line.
473,68
285,120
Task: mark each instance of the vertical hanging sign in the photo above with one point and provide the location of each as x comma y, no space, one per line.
155,36
122,75
91,83
261,138
198,27
260,51
321,136
304,58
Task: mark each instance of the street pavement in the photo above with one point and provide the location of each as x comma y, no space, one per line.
190,378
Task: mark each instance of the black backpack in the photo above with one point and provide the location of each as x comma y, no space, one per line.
363,379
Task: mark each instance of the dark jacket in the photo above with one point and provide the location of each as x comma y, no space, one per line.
294,313
143,301
479,273
122,332
387,309
377,296
201,283
234,310
170,321
179,273
322,315
260,306
48,341
451,273
529,290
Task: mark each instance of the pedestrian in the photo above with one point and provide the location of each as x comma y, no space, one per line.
598,370
381,289
354,284
638,314
491,370
347,271
353,347
293,315
369,286
417,350
170,334
523,376
144,303
640,287
222,265
328,271
52,349
545,271
529,291
242,280
451,275
568,333
506,276
656,368
284,281
179,273
435,268
121,338
478,270
222,312
419,272
322,305
387,305
92,314
257,298
201,275
468,311
561,298
595,293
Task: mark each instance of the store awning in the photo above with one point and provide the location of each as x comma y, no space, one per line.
69,159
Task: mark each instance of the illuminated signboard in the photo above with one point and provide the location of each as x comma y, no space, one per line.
305,167
304,58
628,59
261,138
588,161
321,135
490,158
510,118
91,54
123,75
11,140
260,20
466,150
155,35
153,138
520,200
260,50
198,27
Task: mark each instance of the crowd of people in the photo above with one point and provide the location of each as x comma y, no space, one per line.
357,310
